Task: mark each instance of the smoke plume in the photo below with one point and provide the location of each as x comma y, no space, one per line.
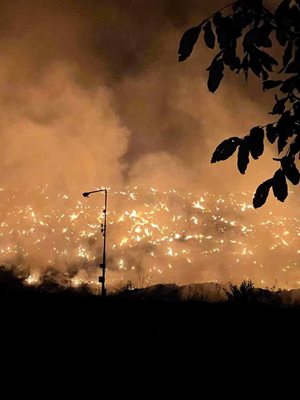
92,96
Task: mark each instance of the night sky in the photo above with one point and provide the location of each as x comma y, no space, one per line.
92,95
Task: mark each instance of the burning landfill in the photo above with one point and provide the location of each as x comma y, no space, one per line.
152,237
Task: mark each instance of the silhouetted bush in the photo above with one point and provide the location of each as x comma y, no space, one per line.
246,293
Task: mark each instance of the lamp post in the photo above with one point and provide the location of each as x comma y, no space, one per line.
103,230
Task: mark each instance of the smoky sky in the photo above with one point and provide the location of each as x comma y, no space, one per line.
92,94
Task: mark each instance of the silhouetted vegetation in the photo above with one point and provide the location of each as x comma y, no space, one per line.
13,281
246,293
65,323
241,31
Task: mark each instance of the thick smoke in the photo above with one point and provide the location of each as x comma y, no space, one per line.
92,95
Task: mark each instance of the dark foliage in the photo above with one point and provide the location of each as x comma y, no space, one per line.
246,293
216,74
187,43
251,26
279,185
243,155
209,36
289,169
262,193
256,142
225,149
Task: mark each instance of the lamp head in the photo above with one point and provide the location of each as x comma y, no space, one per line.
85,194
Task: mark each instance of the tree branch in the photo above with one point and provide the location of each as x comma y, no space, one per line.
212,15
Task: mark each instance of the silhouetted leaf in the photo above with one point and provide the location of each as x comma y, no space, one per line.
259,59
243,155
209,36
215,75
282,9
187,42
248,41
225,149
294,66
256,142
295,146
237,22
272,133
285,128
271,84
289,84
287,55
280,189
295,15
279,107
296,109
290,171
230,58
247,5
282,37
262,35
282,141
286,122
262,193
265,74
267,60
224,30
245,66
236,6
255,4
255,63
283,19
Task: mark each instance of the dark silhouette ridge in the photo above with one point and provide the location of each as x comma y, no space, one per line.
140,327
143,317
54,284
248,25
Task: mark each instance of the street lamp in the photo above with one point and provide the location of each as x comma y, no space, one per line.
103,230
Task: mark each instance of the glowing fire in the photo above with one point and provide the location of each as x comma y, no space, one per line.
161,236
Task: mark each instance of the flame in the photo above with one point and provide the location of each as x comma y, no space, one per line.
154,233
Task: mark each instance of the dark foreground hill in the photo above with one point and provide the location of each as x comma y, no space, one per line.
161,315
83,339
54,324
61,329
